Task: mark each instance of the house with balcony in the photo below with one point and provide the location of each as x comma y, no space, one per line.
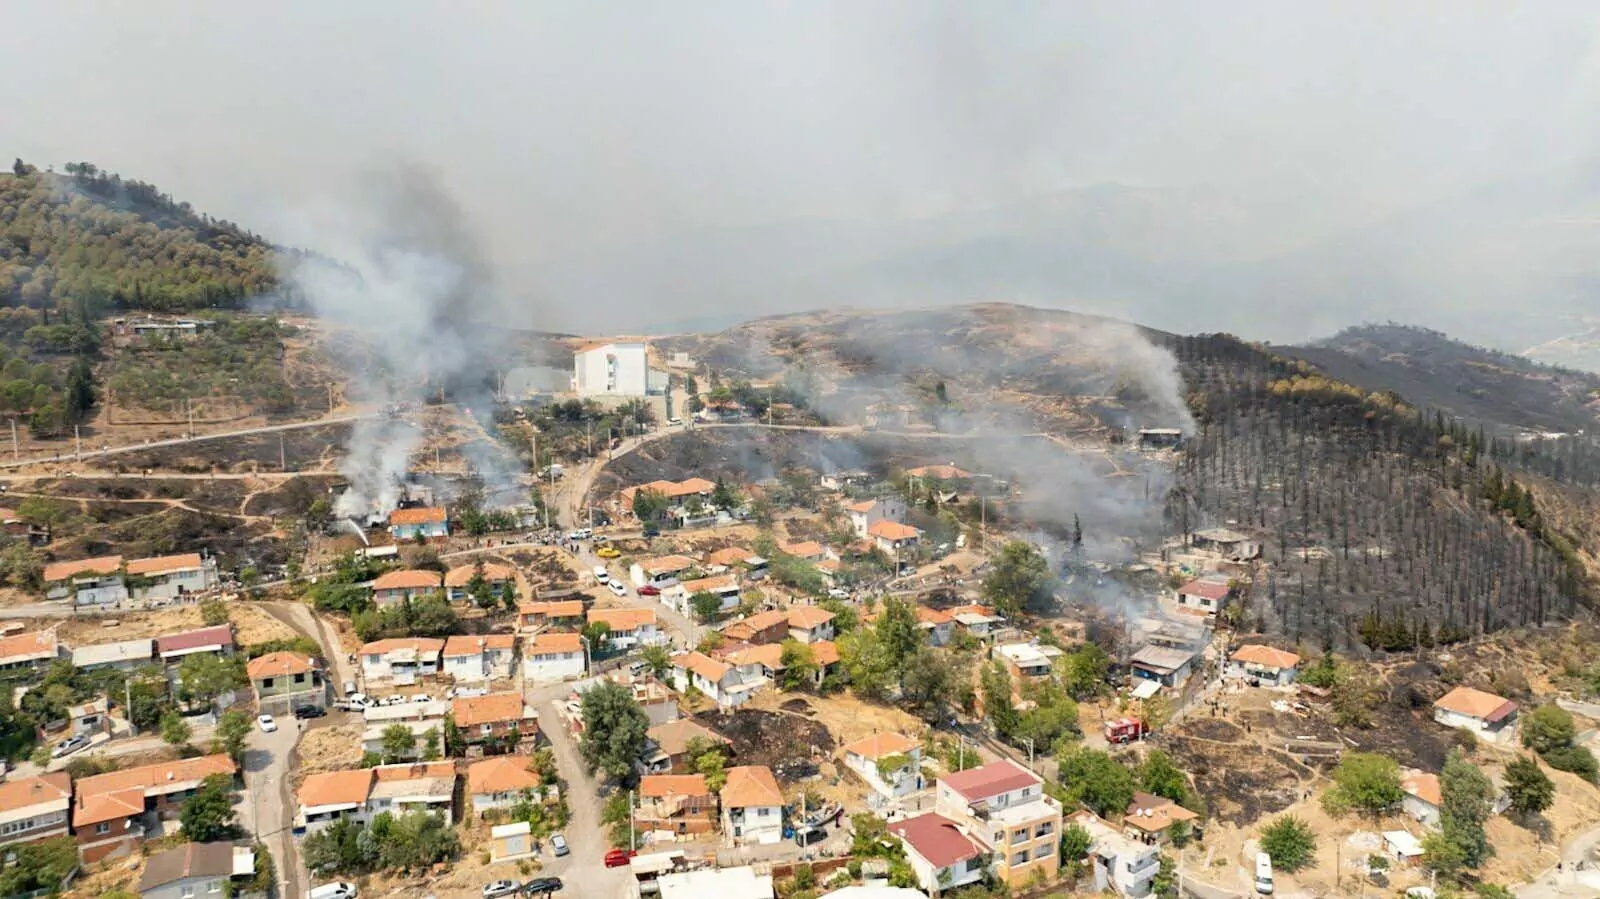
893,537
110,812
500,579
1004,805
660,572
563,615
725,587
810,624
171,577
406,585
942,853
504,781
35,808
479,658
285,681
629,627
890,763
553,657
868,512
675,805
401,660
88,582
496,721
752,806
419,523
1117,862
362,794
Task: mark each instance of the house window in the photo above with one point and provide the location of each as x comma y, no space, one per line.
188,891
299,678
103,827
266,683
214,887
486,729
1043,852
1018,860
1026,792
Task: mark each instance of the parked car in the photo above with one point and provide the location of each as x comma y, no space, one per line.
309,711
70,746
838,593
600,574
541,886
500,888
267,724
559,844
607,552
358,700
422,697
649,590
601,538
617,588
333,891
616,858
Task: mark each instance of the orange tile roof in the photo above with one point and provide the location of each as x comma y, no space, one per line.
825,652
805,549
1265,656
422,645
655,786
893,530
491,709
751,785
28,646
16,795
164,564
769,655
426,515
471,645
102,807
623,619
720,582
748,627
926,615
1154,814
567,608
809,617
60,571
1424,786
493,572
730,555
505,774
336,788
665,564
832,566
701,664
413,771
407,579
882,745
278,664
161,774
863,506
551,643
1476,704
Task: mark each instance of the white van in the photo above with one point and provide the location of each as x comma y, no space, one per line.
333,891
600,574
1263,874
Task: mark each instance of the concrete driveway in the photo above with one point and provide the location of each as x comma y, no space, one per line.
269,802
582,871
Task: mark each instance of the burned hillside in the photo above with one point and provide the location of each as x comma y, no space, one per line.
1384,525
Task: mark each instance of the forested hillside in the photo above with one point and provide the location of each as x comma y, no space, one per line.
1393,526
89,236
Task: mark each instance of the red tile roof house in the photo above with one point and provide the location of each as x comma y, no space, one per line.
215,640
752,806
89,582
496,723
564,615
501,579
35,808
762,627
361,794
629,627
1486,715
810,624
675,805
940,852
892,537
504,781
108,810
1273,667
723,586
408,584
401,659
480,658
1006,806
171,577
550,658
1206,595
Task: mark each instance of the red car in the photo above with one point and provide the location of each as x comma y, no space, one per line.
648,590
616,858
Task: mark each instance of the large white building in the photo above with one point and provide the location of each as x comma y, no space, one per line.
618,368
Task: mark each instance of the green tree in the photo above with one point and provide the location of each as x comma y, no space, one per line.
399,743
725,497
998,707
1075,844
1160,776
1095,780
174,729
213,612
659,658
1548,727
799,666
208,814
1366,781
1165,884
1467,798
478,587
1530,789
928,685
898,633
455,745
706,606
1289,842
867,663
1019,579
713,765
1083,671
232,730
614,729
650,505
203,677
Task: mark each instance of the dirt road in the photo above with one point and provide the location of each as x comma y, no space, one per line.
180,441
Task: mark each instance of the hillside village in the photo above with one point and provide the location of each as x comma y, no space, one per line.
642,677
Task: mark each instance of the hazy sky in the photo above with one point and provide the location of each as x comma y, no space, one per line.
564,128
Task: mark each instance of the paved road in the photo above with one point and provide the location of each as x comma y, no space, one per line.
180,441
266,776
1569,881
306,621
583,871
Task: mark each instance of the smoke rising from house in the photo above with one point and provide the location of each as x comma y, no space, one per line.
400,272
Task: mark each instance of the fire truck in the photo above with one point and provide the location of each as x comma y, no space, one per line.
1124,730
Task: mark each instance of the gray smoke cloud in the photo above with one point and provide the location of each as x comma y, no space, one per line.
399,270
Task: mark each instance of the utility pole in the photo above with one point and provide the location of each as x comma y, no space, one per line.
633,842
127,707
77,437
15,452
1030,752
330,397
283,459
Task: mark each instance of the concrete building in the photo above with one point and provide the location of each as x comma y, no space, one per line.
725,587
401,660
361,794
31,650
722,883
509,842
111,812
1423,797
752,806
675,805
1272,667
1118,863
771,626
419,523
35,808
406,585
810,624
1167,667
893,537
501,580
88,582
723,683
552,657
868,512
1150,818
1005,806
938,624
629,627
171,577
1489,717
1204,596
285,681
890,763
660,572
613,368
126,655
217,641
479,658
194,870
668,749
565,615
941,853
498,719
504,781
1229,544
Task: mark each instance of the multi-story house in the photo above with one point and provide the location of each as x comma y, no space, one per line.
285,681
479,658
500,579
1118,862
408,584
400,660
810,624
552,657
752,806
171,577
725,587
763,627
890,763
364,793
1004,805
941,852
893,537
675,805
723,683
629,627
35,808
110,811
497,719
1204,596
865,514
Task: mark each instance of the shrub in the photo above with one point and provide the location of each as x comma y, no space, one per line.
1289,842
